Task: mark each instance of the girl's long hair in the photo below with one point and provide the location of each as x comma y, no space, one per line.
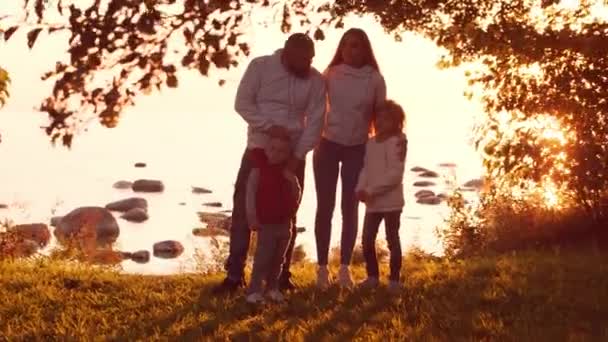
370,57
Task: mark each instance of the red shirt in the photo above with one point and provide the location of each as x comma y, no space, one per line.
275,199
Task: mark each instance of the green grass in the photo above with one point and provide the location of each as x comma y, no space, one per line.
531,296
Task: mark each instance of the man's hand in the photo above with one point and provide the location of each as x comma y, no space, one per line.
362,196
277,131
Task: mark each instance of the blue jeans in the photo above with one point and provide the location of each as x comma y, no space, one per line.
240,234
326,163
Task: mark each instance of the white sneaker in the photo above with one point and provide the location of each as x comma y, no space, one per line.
344,278
394,287
255,298
322,277
369,283
275,296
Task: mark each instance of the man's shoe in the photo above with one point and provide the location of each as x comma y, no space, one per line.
228,286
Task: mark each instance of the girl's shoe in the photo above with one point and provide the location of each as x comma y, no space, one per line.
394,287
369,283
275,296
344,278
255,298
322,277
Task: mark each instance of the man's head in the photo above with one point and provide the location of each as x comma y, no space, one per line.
278,149
298,52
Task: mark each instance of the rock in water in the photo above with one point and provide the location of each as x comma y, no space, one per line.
424,193
38,232
429,174
418,169
84,222
198,190
140,164
128,204
122,185
213,204
209,232
55,220
423,183
474,183
140,257
168,249
148,185
136,215
3,206
431,200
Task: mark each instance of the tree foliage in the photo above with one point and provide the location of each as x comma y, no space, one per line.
534,60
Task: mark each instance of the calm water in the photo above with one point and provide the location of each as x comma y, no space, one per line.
191,137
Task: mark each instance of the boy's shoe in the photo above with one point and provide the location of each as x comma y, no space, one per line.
228,286
285,284
394,287
369,283
255,298
322,277
344,278
275,296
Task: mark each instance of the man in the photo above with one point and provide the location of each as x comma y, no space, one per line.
279,94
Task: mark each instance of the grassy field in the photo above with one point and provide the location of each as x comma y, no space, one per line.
540,296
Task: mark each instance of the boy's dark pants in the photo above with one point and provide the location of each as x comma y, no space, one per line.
240,234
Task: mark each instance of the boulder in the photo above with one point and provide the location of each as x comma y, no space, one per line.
122,185
213,204
167,249
128,204
216,220
137,215
140,164
148,185
3,206
423,183
38,232
140,257
86,222
55,220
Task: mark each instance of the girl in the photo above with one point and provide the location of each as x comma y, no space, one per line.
380,187
355,88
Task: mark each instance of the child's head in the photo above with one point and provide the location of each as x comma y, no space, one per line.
278,149
390,118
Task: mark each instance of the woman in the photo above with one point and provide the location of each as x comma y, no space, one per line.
355,90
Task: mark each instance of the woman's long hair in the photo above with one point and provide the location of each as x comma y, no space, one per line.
370,58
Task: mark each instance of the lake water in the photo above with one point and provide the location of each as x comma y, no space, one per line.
192,137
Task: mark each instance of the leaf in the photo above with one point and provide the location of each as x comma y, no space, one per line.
8,33
319,35
172,81
32,36
39,8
